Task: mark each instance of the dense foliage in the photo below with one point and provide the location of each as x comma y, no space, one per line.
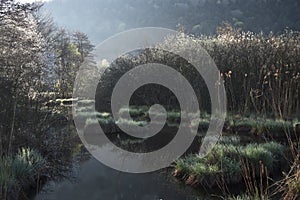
260,73
36,59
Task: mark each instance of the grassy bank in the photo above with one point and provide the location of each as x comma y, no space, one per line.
226,162
255,128
253,152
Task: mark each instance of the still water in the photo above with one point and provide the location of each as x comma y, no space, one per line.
91,180
94,181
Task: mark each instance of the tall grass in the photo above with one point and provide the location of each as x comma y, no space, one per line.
261,72
25,167
289,186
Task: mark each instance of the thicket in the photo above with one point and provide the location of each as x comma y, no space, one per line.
261,73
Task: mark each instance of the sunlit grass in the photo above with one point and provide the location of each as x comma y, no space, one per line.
224,161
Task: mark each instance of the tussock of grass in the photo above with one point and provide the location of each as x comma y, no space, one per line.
224,162
24,168
269,128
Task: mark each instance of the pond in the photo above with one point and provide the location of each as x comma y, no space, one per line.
94,181
90,179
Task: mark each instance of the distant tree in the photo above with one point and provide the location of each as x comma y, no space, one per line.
83,44
70,50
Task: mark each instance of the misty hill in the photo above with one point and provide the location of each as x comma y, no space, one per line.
103,18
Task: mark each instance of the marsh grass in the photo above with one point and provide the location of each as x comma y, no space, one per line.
25,168
245,197
289,186
225,163
267,129
230,162
255,179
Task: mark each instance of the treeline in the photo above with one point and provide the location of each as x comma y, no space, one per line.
37,58
261,73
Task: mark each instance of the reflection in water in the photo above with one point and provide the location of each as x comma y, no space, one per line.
95,181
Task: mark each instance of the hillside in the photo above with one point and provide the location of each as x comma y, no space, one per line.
101,18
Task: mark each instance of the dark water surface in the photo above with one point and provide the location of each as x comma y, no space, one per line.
89,179
94,181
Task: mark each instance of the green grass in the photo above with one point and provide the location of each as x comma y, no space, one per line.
271,128
256,153
24,167
225,161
